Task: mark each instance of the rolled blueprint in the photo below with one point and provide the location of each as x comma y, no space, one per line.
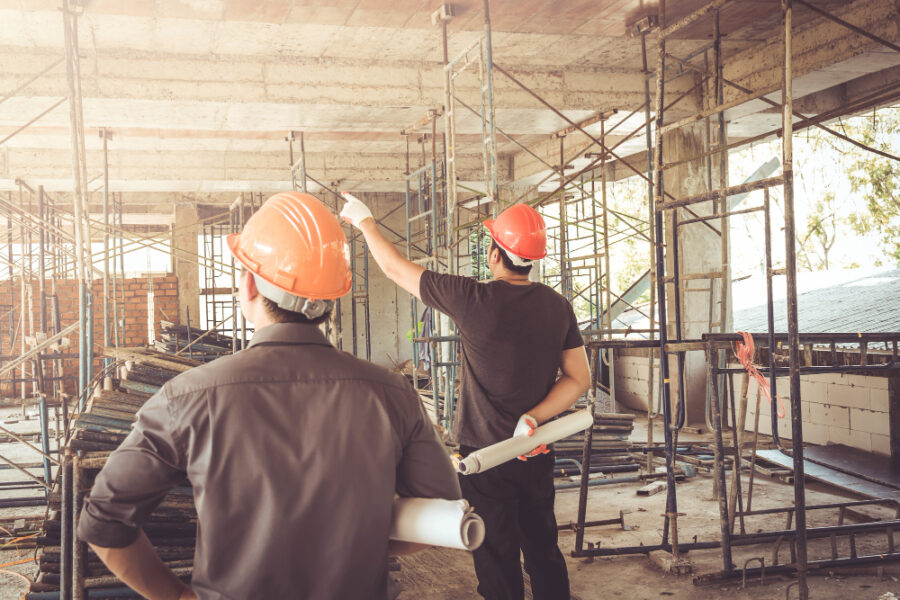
436,522
501,452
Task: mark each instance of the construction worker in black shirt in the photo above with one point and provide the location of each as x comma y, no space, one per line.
517,336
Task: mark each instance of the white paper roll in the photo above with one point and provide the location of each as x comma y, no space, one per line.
436,522
501,452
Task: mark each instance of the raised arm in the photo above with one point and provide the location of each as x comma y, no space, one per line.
396,267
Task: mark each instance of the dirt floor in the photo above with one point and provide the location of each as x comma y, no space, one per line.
441,574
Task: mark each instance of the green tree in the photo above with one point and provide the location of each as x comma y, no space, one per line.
820,234
877,178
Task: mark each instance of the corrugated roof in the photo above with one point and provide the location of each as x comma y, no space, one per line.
854,300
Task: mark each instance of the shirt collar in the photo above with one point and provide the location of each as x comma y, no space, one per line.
289,333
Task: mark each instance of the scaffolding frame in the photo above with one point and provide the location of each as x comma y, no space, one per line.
666,210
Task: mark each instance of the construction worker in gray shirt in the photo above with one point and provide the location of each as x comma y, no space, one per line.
294,449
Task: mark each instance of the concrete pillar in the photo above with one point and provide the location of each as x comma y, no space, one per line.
700,252
389,306
186,231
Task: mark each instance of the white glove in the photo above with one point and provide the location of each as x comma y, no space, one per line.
354,212
526,426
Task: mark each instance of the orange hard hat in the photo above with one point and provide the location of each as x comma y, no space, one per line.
294,243
520,230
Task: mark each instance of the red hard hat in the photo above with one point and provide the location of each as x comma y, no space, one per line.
520,230
294,243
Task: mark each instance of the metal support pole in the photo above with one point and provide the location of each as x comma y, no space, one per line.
659,189
104,135
65,532
607,283
42,257
76,126
45,430
303,187
122,316
586,455
493,192
651,221
563,225
79,548
792,317
719,457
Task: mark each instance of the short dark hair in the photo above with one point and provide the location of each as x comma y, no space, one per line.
508,263
280,315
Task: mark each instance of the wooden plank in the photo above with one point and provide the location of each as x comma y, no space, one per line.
652,488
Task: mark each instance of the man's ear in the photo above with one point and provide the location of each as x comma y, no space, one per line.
250,285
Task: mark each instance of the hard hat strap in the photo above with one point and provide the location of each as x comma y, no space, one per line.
309,307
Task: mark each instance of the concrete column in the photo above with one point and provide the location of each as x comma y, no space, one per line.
700,252
389,306
184,246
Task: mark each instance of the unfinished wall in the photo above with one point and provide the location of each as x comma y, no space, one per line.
137,301
632,379
853,410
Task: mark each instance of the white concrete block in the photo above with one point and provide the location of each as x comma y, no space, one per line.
814,391
764,406
848,437
856,380
881,444
765,425
831,416
806,410
879,383
848,396
879,398
784,428
783,386
815,434
869,421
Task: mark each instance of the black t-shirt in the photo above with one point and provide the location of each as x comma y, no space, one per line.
513,337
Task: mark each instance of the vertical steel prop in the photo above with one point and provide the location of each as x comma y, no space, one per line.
792,317
671,500
586,454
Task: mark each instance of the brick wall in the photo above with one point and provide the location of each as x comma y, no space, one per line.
136,310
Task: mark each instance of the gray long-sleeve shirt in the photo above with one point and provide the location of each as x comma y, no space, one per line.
294,450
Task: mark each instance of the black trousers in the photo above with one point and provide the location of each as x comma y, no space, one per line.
515,500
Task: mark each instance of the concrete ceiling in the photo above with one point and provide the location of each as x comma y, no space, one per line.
199,95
